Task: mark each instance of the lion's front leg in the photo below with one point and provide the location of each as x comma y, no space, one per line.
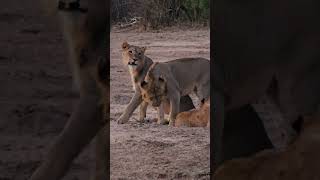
143,111
102,153
134,103
82,126
160,110
174,108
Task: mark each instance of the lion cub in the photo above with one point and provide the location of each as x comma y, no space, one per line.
195,117
173,79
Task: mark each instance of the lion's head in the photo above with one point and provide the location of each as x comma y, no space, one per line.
154,91
205,103
205,108
133,56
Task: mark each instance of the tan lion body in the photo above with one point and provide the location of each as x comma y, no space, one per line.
138,65
196,117
85,33
173,79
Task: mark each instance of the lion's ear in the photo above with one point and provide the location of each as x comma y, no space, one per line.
144,84
125,45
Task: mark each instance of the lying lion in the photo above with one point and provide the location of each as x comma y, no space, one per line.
195,117
300,161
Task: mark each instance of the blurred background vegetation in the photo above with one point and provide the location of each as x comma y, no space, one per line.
154,14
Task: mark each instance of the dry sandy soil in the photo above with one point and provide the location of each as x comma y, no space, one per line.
36,99
151,151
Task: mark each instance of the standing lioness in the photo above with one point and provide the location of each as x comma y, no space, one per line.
138,64
173,79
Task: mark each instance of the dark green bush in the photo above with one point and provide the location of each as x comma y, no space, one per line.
157,13
198,9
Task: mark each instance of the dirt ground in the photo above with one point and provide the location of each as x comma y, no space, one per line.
151,151
36,99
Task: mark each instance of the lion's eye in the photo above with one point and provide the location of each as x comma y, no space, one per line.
130,52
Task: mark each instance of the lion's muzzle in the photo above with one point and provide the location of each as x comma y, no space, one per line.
132,62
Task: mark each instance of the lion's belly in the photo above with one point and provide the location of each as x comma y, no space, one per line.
187,90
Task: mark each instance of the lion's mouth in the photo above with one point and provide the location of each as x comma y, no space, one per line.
132,64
